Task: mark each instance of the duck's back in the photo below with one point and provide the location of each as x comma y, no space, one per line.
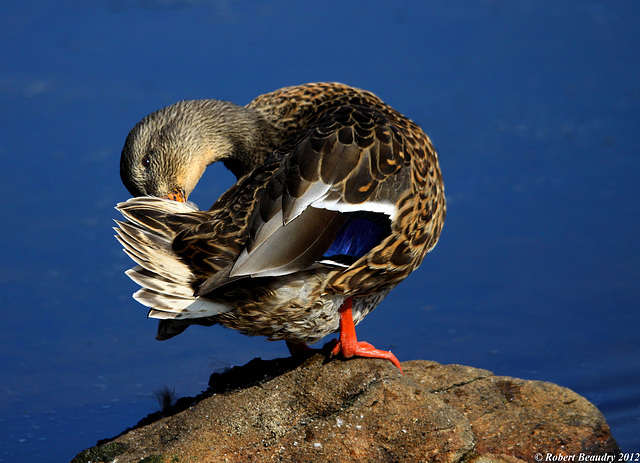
386,160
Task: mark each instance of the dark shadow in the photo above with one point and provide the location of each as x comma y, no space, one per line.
239,377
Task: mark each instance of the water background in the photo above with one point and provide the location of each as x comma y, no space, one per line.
534,107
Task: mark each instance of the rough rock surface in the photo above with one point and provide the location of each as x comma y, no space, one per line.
364,410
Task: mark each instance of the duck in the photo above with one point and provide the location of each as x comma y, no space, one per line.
338,198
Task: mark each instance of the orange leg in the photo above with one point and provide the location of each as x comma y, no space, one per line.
349,346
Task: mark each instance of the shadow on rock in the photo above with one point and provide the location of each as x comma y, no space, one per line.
235,378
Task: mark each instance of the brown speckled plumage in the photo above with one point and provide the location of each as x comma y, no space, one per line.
319,156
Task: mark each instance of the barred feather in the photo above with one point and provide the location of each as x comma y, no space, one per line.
165,279
339,196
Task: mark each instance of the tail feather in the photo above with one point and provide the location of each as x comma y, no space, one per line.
166,281
152,253
166,306
158,283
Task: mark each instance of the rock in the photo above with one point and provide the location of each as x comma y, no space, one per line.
364,410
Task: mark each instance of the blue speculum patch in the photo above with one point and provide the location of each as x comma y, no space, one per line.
357,236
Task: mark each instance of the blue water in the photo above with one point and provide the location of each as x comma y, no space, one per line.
534,107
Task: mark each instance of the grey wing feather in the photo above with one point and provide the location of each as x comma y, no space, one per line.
328,172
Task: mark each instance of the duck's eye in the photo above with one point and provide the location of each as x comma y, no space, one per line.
146,161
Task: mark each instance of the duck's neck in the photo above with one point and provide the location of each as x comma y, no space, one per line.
240,137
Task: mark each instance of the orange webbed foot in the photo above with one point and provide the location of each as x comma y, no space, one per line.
348,344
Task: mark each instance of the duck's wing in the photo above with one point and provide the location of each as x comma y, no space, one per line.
357,191
334,191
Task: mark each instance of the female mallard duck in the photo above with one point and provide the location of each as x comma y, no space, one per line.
339,197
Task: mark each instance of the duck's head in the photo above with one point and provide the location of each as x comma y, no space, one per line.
166,153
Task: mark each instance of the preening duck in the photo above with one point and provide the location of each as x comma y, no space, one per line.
338,198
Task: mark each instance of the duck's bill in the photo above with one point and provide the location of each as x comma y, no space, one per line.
177,195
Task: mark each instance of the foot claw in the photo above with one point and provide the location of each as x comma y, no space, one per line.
334,346
364,349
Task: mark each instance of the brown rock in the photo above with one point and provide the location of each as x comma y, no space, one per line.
364,410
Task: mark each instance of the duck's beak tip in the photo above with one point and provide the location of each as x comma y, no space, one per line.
177,194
